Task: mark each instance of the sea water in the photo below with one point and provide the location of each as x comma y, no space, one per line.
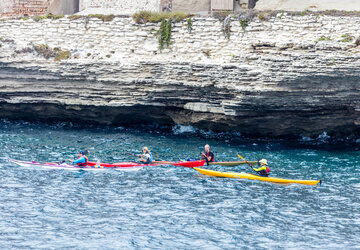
167,207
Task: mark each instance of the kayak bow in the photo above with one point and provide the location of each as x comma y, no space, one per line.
255,177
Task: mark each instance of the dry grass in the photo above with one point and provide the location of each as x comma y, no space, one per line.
156,17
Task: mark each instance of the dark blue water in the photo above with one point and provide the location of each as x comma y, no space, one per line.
172,207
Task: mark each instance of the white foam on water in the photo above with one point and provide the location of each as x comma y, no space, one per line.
305,139
181,129
323,137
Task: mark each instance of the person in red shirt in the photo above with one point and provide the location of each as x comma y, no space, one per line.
208,156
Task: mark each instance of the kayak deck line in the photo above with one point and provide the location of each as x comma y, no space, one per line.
255,177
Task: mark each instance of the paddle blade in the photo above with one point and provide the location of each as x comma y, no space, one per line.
241,157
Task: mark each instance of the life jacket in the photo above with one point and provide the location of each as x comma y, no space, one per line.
213,156
83,164
150,158
265,172
147,159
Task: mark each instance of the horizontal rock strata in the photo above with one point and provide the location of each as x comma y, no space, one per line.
281,77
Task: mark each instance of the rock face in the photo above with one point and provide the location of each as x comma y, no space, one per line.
283,77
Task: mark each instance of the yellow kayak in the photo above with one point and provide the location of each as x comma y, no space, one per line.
255,177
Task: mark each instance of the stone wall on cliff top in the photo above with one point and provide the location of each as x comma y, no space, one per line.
118,6
287,76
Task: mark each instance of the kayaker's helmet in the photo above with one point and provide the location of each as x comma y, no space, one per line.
81,152
263,161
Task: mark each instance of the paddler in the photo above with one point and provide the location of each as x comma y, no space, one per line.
263,169
146,157
82,159
208,156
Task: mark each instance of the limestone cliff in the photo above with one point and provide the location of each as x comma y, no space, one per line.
277,76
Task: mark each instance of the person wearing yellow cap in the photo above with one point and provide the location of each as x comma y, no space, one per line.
263,169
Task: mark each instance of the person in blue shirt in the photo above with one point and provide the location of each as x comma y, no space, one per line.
82,160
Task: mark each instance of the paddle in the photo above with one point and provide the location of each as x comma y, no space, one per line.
242,158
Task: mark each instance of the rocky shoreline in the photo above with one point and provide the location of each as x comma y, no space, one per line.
282,77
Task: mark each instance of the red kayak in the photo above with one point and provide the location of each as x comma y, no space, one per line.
189,164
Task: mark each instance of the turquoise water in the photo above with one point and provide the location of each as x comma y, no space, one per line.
173,207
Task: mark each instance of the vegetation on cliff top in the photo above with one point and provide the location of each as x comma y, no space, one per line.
48,16
157,17
105,18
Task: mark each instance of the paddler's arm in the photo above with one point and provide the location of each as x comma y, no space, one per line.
80,160
259,169
206,157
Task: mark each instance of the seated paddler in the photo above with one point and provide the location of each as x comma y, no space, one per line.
208,156
82,159
263,168
146,157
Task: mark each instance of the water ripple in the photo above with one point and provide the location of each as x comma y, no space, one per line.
171,207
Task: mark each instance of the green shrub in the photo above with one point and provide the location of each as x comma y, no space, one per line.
189,23
47,52
38,18
105,18
164,34
156,17
347,38
323,38
48,16
165,19
62,55
75,17
244,23
51,16
303,13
